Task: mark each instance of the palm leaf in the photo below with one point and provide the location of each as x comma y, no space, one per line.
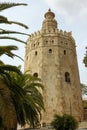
7,50
1,63
7,68
12,32
6,21
6,5
18,23
12,38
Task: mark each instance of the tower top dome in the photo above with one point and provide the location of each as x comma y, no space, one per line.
49,22
49,14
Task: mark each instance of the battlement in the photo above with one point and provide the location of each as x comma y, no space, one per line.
35,34
61,32
65,33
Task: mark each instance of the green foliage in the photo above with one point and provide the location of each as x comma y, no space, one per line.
26,97
7,50
3,19
85,58
65,122
6,5
84,89
20,99
85,104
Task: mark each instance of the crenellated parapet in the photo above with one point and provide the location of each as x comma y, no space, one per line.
60,32
35,34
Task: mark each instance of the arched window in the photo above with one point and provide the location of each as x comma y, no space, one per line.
46,41
64,52
52,41
38,43
67,77
35,74
50,50
35,53
27,58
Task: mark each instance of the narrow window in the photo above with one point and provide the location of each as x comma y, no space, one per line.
46,41
50,50
35,53
67,77
64,52
35,74
27,57
52,41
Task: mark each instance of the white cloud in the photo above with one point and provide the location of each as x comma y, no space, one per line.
71,9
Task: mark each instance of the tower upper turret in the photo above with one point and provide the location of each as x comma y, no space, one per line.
49,15
49,22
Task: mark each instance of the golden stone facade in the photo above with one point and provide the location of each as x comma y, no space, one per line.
51,55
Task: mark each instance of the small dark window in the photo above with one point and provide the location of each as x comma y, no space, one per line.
44,124
66,43
46,41
27,57
50,50
52,41
35,53
64,52
35,74
67,77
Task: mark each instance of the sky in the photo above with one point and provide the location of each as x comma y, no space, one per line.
70,15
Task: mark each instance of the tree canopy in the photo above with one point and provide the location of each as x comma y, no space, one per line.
20,99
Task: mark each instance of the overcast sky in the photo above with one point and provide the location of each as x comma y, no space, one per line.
70,15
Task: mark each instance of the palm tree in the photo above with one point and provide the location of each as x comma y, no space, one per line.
26,97
20,100
8,118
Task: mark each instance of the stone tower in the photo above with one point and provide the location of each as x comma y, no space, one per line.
51,55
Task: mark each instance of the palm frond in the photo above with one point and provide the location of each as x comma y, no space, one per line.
11,32
12,38
4,20
7,68
18,23
1,63
6,5
7,50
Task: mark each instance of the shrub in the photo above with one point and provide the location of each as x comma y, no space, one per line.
65,122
